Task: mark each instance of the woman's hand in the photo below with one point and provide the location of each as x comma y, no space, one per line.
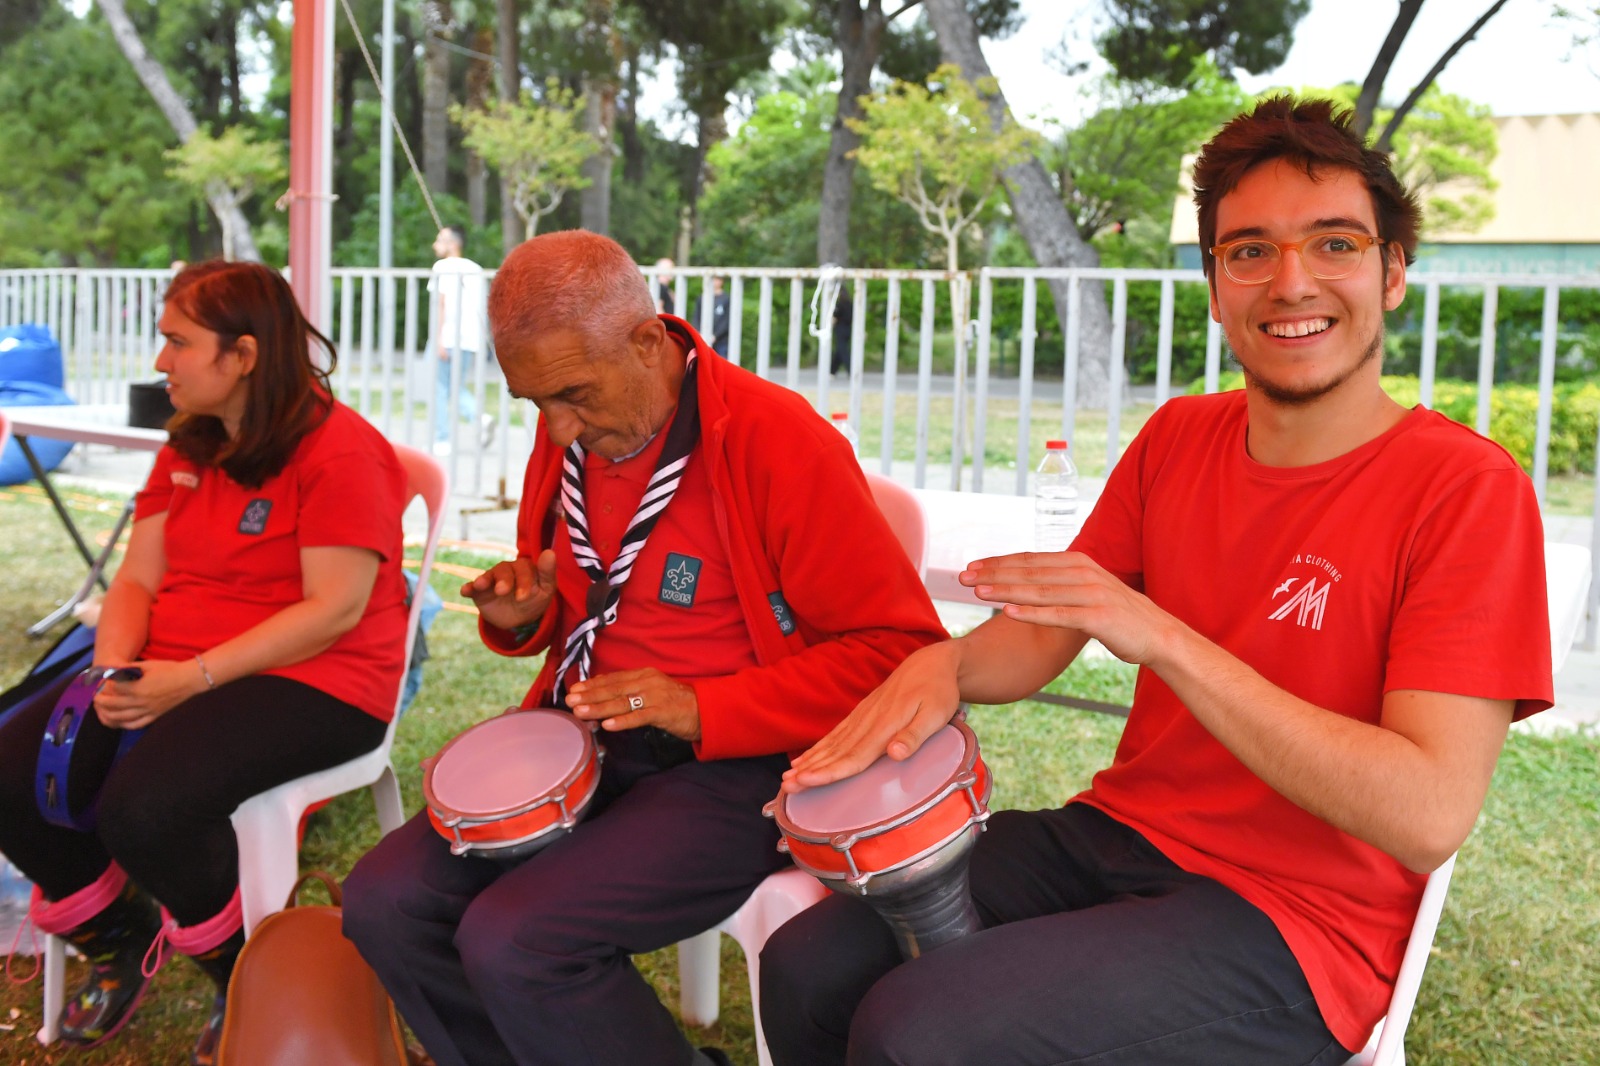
135,704
912,704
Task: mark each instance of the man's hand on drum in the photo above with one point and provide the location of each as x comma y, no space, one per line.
628,699
135,704
911,705
514,593
1069,590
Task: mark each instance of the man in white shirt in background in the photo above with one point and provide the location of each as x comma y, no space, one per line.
458,294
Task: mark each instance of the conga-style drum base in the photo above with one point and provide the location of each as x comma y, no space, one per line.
899,835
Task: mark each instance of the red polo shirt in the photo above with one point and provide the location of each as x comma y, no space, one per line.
679,611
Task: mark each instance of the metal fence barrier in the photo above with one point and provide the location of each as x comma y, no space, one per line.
931,376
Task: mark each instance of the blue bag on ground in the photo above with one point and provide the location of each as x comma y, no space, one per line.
14,469
29,353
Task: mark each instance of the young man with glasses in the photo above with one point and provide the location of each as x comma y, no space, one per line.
1337,606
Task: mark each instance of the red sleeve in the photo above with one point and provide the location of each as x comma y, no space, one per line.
351,489
156,496
1113,534
1473,618
849,586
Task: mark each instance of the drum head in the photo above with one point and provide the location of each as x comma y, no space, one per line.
505,762
883,790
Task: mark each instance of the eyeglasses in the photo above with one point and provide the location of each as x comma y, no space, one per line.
1328,256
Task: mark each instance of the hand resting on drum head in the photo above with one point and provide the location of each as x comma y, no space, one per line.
913,703
1044,597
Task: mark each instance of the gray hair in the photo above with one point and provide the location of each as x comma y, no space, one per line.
569,279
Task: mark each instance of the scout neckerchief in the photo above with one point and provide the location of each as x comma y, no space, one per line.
605,588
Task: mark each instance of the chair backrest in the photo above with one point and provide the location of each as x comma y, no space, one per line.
903,511
427,479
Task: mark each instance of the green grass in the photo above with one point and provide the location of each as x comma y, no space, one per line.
1516,972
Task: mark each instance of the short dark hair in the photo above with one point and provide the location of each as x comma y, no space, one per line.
289,394
460,236
1311,134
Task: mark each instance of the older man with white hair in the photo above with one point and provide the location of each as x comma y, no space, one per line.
655,460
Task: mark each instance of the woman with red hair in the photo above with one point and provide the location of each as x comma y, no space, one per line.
262,602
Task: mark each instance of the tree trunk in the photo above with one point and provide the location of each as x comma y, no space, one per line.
510,90
230,29
860,39
235,227
1041,216
1385,142
480,87
477,188
633,160
1372,88
599,120
713,128
436,96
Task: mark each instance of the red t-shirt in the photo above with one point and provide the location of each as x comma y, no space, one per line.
1416,561
679,611
233,554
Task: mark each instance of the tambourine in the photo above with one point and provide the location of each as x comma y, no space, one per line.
78,750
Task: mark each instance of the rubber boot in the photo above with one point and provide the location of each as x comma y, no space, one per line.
218,965
214,945
120,924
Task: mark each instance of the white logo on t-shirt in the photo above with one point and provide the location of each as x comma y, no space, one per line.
1310,602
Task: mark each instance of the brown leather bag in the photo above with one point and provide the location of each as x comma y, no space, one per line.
301,993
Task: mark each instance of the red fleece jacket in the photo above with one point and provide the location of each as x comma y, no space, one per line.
796,517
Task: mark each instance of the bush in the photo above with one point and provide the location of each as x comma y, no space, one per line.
1513,415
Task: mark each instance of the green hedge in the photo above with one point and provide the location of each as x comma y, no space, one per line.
1513,415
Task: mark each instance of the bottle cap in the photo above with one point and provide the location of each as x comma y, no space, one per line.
1049,444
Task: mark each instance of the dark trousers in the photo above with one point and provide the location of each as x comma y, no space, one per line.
529,962
1096,949
165,808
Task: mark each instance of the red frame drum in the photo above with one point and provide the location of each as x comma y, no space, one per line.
510,785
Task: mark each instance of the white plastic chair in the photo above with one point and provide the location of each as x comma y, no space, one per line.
268,825
788,892
1386,1046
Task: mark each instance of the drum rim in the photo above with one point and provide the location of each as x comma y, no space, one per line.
488,848
557,792
861,880
970,757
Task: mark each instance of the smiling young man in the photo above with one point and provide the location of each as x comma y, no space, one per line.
1337,608
685,553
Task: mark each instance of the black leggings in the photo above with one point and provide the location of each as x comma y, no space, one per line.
165,808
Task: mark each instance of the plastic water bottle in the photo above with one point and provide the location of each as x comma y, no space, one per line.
1055,499
14,892
841,422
